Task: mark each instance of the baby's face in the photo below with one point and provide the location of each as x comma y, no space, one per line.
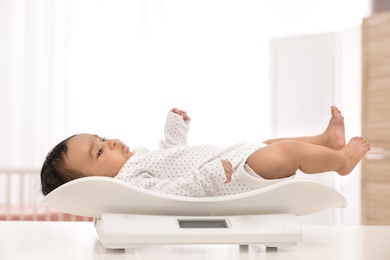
95,156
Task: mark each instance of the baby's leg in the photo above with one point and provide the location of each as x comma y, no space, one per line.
283,159
333,137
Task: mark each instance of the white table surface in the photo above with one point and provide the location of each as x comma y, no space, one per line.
78,240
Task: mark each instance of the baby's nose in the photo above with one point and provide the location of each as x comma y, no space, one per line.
111,143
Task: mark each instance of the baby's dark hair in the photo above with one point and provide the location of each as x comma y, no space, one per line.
54,170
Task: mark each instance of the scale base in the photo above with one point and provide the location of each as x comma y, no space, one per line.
118,231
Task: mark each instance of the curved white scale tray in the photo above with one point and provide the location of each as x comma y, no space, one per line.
92,196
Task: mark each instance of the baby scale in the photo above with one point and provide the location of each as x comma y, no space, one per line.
126,216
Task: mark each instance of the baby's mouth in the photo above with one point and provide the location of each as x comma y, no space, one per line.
125,147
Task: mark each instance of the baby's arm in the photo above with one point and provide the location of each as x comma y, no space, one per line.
176,129
228,168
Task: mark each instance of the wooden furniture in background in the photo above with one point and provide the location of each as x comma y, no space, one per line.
376,119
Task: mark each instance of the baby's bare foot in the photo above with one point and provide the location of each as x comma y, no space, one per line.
355,151
335,132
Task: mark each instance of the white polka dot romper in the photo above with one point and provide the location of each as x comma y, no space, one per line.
189,170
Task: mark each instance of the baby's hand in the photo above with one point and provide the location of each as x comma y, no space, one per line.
227,166
181,113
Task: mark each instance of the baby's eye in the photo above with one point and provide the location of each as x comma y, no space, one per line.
100,151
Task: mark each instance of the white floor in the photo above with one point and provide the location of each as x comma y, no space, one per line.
78,240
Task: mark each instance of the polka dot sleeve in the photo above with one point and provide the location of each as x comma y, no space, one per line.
175,131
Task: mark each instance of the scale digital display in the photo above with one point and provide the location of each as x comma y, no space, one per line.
218,223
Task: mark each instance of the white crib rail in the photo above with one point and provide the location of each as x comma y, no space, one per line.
20,190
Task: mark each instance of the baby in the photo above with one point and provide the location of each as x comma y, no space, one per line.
196,170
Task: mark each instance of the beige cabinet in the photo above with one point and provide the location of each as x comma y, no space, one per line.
376,119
